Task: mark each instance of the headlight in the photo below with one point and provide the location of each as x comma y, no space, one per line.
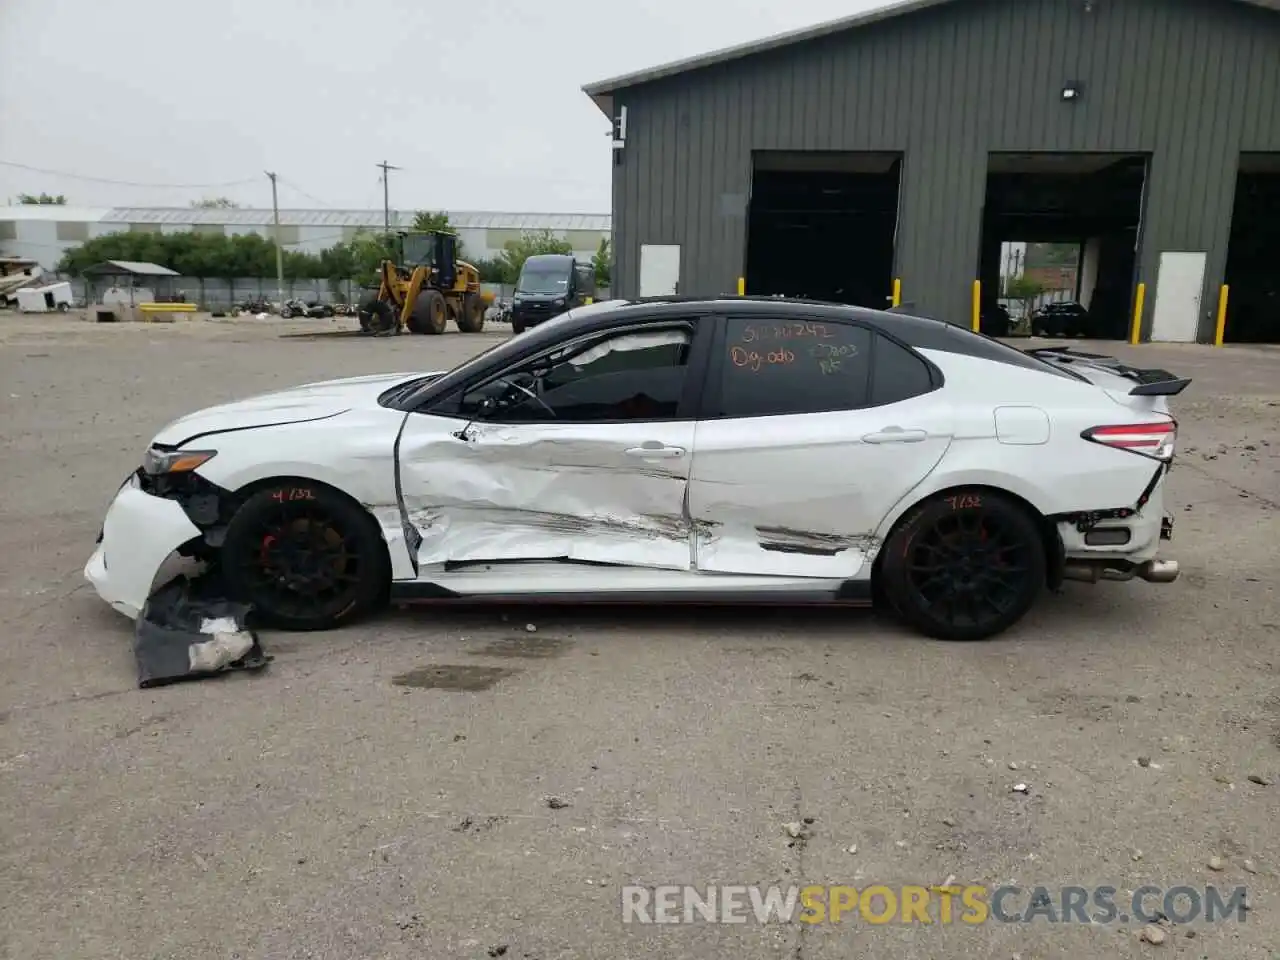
559,301
157,462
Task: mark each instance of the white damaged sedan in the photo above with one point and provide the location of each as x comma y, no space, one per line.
734,450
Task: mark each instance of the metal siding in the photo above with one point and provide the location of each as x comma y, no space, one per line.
1190,82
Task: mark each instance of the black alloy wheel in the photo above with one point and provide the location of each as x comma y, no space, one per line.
966,565
304,557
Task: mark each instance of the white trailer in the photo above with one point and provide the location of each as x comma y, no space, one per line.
51,298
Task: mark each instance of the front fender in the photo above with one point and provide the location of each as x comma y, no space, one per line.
354,454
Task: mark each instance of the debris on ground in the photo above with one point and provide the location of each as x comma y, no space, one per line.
794,830
1250,866
558,803
182,634
1153,935
1021,788
1144,761
1259,780
499,951
530,628
1216,863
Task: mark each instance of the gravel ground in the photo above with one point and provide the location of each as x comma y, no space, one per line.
337,806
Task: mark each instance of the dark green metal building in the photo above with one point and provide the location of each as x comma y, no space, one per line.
1192,85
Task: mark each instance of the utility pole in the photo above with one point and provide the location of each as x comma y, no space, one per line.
275,214
386,168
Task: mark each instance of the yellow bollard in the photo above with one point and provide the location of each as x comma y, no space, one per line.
742,286
977,306
897,291
1220,331
1140,301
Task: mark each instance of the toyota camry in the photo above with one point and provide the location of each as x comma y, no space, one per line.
730,450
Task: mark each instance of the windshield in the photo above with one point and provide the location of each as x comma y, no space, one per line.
544,279
418,249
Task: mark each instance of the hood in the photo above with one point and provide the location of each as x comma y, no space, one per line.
311,401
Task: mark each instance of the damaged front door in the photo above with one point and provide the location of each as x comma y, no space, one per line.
813,432
581,454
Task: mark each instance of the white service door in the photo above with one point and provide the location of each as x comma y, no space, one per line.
659,270
1179,290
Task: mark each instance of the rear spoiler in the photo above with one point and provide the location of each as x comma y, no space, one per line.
1150,382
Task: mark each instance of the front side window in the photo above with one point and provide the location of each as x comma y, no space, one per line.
779,367
638,375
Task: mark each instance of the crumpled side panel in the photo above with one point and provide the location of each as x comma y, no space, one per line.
548,493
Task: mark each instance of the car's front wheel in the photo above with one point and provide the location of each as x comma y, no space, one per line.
305,557
964,565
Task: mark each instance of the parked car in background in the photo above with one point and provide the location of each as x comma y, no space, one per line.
995,321
1064,318
550,284
735,450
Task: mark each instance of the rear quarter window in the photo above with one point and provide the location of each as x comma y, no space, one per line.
897,374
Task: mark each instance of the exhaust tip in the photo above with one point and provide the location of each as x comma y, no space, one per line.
1159,571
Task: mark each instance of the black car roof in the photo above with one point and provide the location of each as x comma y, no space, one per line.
920,333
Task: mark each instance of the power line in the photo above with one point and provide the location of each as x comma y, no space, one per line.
297,189
128,183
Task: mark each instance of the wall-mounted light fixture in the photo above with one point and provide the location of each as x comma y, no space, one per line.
1072,92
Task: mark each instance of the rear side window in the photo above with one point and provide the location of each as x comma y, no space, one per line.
897,374
778,367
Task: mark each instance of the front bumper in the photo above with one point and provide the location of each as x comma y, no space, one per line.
137,549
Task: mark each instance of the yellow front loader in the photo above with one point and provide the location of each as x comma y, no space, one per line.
423,288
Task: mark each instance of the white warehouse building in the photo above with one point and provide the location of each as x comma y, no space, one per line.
44,233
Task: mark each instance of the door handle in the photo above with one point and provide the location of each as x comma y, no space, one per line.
656,452
896,435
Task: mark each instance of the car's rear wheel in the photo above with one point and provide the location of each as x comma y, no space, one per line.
305,557
964,565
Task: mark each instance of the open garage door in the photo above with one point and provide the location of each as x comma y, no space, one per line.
1060,238
1253,257
822,226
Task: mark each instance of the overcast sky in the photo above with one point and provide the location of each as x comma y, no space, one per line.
484,111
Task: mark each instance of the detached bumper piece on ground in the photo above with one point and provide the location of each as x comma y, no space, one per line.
183,636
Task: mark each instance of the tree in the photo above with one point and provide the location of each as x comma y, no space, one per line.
427,221
215,203
44,199
1024,290
530,244
601,263
492,271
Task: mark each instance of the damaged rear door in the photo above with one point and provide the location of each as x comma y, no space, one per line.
581,453
811,433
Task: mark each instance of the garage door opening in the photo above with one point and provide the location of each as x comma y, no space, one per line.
1060,236
1253,254
822,226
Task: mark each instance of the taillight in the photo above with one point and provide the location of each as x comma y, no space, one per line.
1156,440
